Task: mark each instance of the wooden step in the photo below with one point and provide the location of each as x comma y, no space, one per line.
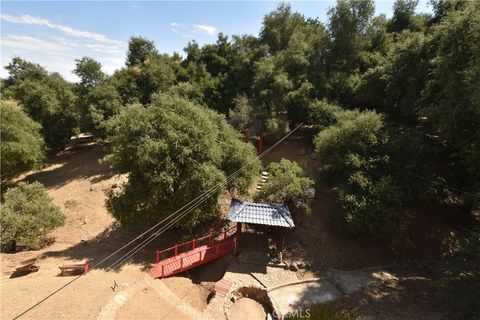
222,287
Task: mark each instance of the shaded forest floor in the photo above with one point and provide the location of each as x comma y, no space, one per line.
442,289
430,230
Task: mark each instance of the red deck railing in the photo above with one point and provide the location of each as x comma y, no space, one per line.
190,245
190,254
218,253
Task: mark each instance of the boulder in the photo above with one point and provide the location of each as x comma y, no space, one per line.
294,266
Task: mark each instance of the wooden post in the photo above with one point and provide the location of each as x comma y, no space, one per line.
245,135
237,238
209,239
176,249
217,249
162,269
158,256
193,244
281,240
260,144
181,263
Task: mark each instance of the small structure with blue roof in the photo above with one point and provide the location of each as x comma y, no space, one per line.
267,214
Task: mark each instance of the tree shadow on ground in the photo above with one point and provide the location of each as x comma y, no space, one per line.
444,289
116,236
210,272
429,233
80,162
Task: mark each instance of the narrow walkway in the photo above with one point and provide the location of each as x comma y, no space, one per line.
179,303
109,311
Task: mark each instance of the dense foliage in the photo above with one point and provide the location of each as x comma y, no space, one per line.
351,148
288,183
375,89
99,98
174,151
22,145
28,214
46,97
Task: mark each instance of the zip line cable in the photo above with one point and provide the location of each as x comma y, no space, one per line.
436,182
161,230
193,204
439,183
152,237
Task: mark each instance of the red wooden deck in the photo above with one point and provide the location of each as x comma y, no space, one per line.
198,253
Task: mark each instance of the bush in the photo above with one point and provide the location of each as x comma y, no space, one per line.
288,183
352,149
240,115
22,145
28,215
275,128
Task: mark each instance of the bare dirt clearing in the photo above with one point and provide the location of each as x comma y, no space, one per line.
77,183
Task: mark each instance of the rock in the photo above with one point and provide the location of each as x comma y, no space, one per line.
93,188
114,185
307,265
294,266
287,265
300,265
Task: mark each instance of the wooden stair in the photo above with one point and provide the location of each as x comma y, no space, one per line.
222,287
263,180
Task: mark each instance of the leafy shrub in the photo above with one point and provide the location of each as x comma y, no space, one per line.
240,116
28,215
351,148
288,183
276,128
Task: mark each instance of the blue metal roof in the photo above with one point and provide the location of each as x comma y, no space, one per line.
260,213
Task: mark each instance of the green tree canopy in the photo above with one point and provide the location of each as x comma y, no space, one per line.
174,150
139,49
28,215
22,144
89,71
403,11
98,98
47,99
451,98
288,183
351,150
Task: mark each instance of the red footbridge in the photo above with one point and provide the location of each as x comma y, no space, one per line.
193,253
